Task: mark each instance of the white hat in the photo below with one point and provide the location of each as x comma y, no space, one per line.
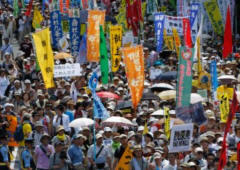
198,149
8,104
27,81
140,128
107,129
98,136
220,139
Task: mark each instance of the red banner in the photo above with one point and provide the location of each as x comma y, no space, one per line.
234,108
238,155
187,32
29,8
227,45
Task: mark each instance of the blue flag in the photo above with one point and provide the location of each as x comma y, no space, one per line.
74,31
159,19
100,111
56,27
213,70
82,56
194,12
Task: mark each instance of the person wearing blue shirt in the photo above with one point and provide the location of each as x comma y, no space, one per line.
75,152
4,156
26,156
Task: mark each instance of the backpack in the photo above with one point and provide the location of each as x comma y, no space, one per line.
18,134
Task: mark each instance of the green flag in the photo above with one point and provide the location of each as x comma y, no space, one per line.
104,57
23,4
15,7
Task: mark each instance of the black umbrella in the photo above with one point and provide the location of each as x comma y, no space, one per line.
170,75
123,105
149,96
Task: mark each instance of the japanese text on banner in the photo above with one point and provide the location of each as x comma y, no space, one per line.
74,35
56,27
44,56
159,19
115,45
133,59
224,107
214,16
95,19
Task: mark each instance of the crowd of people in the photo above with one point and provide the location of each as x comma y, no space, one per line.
35,121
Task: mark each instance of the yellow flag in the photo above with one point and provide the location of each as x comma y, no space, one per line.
224,89
145,130
44,55
121,17
224,107
177,40
167,122
168,40
115,45
124,161
37,18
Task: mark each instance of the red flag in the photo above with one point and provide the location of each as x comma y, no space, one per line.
234,109
134,15
29,8
187,33
227,45
238,155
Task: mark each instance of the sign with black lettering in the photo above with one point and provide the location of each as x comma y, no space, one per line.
181,136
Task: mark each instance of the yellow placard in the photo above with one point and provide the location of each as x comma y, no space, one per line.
224,107
167,122
224,89
115,45
44,56
124,162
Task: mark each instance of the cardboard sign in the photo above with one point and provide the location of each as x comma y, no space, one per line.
181,136
67,70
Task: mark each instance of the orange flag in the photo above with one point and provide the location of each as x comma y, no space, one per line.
64,6
95,19
133,59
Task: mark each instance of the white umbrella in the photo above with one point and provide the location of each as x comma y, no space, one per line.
162,86
81,122
227,77
158,113
117,121
195,97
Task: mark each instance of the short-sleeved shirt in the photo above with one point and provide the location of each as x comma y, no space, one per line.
102,158
76,155
42,158
26,158
4,153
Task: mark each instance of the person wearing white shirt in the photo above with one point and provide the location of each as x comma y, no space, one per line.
61,119
172,162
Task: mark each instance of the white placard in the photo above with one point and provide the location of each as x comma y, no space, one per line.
174,22
181,137
67,70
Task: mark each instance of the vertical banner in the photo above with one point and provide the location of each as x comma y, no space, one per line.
74,31
227,44
29,8
238,155
224,107
56,27
177,40
121,17
44,56
95,19
184,82
214,80
151,6
103,57
194,13
15,8
37,18
134,61
167,122
82,57
159,19
84,4
64,6
168,40
214,16
182,8
187,33
115,45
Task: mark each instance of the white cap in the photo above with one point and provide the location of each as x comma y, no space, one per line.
220,139
198,149
98,136
27,81
140,128
107,129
